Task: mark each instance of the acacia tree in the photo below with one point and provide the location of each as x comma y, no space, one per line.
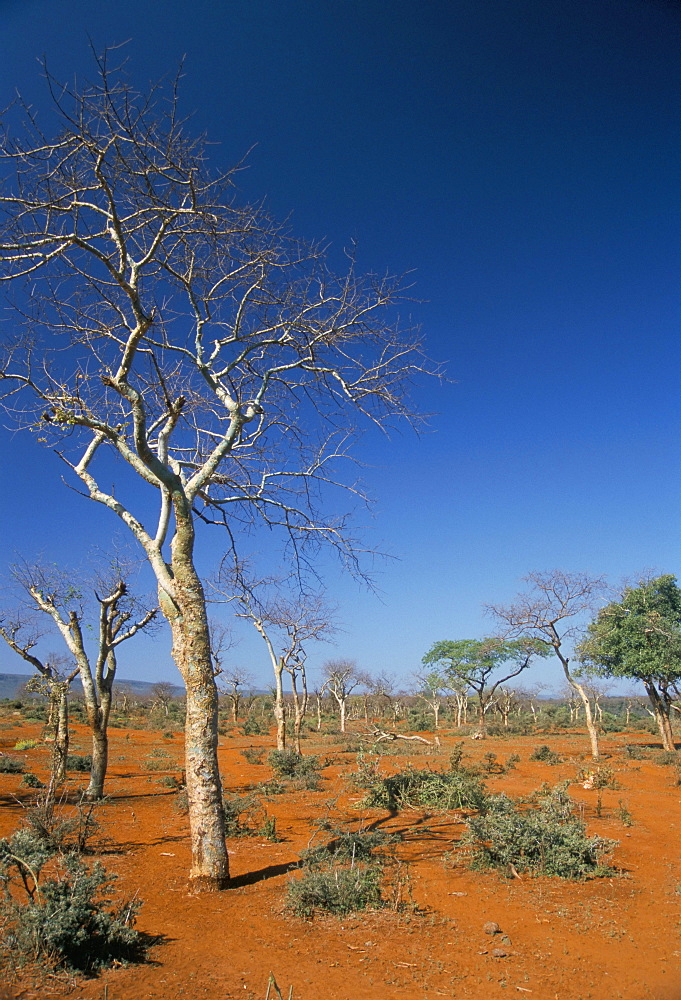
552,612
218,359
639,637
474,661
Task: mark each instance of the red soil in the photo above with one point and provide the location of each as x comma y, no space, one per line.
607,938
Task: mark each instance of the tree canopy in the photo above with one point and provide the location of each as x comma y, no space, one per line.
639,637
474,661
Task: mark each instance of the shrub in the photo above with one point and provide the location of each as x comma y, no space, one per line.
158,760
251,727
635,752
253,755
335,890
26,744
269,830
78,762
30,780
10,765
272,787
600,777
441,790
348,845
243,816
546,840
545,754
668,757
291,764
170,781
63,921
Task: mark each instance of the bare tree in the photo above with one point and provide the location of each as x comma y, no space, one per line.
431,687
287,624
218,358
162,694
120,618
233,680
383,689
507,699
552,611
22,636
341,678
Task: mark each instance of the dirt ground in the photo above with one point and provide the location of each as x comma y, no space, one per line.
603,939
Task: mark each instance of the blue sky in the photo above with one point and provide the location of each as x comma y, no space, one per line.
522,160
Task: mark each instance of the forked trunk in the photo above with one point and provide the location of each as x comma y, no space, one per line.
661,715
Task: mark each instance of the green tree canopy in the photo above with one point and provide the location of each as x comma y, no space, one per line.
639,637
474,661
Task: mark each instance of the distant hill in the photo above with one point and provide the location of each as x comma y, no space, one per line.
10,684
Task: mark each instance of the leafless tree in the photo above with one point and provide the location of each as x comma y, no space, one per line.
233,681
214,355
431,688
382,688
507,699
162,694
552,611
341,678
22,635
120,617
287,624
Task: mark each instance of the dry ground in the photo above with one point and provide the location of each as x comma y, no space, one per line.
603,939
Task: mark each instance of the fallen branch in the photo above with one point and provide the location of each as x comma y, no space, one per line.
379,735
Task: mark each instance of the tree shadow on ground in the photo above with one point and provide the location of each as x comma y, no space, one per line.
271,871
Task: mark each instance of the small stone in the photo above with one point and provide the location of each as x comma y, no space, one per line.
507,941
492,928
499,953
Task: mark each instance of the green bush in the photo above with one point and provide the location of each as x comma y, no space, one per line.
545,754
545,840
62,921
253,755
10,765
291,764
30,780
348,845
440,790
26,744
78,762
335,890
251,727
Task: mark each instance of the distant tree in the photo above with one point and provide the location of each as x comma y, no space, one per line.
507,699
552,611
639,638
341,678
162,693
431,687
287,623
475,661
233,680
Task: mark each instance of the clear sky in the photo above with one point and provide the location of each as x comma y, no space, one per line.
522,159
